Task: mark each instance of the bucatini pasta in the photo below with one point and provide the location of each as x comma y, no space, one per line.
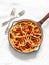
25,36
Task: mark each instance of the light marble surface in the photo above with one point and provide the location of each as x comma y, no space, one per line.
35,10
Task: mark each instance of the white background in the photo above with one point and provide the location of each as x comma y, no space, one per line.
35,10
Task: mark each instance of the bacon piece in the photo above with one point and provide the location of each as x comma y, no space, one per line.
11,36
23,47
18,30
30,28
27,45
35,40
21,33
17,43
36,30
19,39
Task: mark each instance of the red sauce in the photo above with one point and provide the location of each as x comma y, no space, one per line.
18,29
23,47
27,45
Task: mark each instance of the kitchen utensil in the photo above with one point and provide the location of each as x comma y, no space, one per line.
39,23
11,15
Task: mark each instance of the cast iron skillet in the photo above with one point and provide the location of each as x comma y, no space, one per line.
39,23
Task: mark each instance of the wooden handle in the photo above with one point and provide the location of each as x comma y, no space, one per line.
43,19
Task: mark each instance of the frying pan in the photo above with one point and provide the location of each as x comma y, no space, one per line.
39,23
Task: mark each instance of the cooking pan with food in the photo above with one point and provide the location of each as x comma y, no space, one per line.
26,35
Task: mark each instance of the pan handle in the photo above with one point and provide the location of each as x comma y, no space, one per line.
43,19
